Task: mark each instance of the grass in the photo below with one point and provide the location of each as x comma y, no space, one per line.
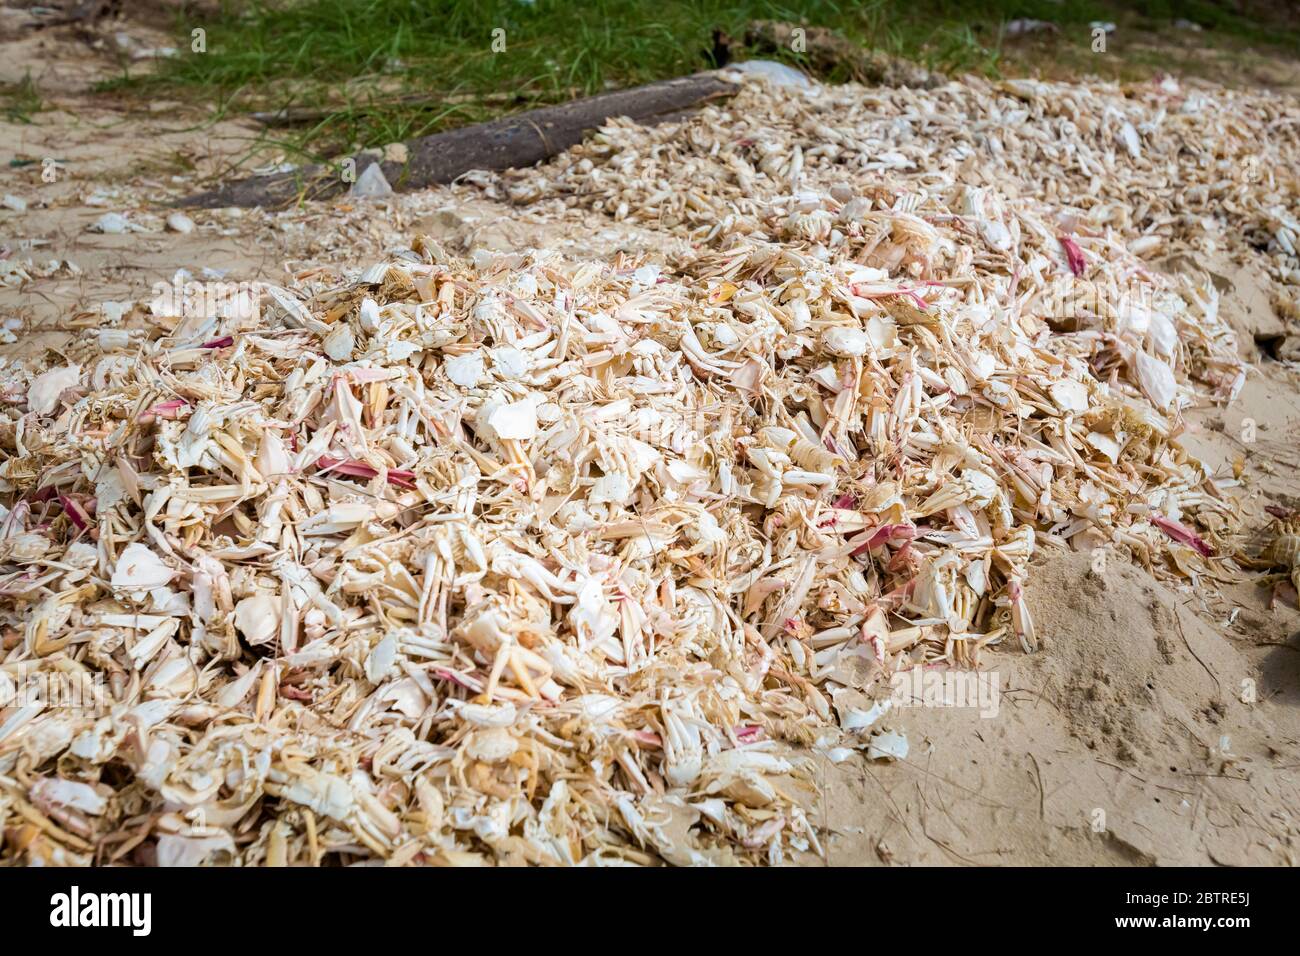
19,101
387,70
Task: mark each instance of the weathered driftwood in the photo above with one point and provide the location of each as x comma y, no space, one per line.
513,141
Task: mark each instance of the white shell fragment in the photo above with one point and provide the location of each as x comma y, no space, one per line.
845,342
139,569
69,793
179,222
1070,396
517,420
43,394
113,223
465,370
339,343
1157,380
888,745
258,618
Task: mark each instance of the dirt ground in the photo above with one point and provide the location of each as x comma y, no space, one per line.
1156,726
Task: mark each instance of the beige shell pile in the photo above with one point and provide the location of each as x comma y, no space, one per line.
533,560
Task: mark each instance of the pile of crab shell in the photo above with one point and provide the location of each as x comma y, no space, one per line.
533,559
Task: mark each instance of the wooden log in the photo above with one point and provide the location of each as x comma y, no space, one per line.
510,142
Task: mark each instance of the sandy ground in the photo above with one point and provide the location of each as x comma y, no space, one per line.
1156,726
1128,739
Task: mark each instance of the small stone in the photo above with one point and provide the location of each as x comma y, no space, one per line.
371,184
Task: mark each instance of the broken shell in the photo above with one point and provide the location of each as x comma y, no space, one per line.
258,618
491,745
339,342
887,745
179,222
465,370
43,395
516,420
845,341
139,569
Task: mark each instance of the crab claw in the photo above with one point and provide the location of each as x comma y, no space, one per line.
1022,622
974,489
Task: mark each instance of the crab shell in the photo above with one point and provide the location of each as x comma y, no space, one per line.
1284,550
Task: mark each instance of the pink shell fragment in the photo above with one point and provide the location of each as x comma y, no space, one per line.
1074,255
76,513
884,533
359,469
170,410
1180,532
